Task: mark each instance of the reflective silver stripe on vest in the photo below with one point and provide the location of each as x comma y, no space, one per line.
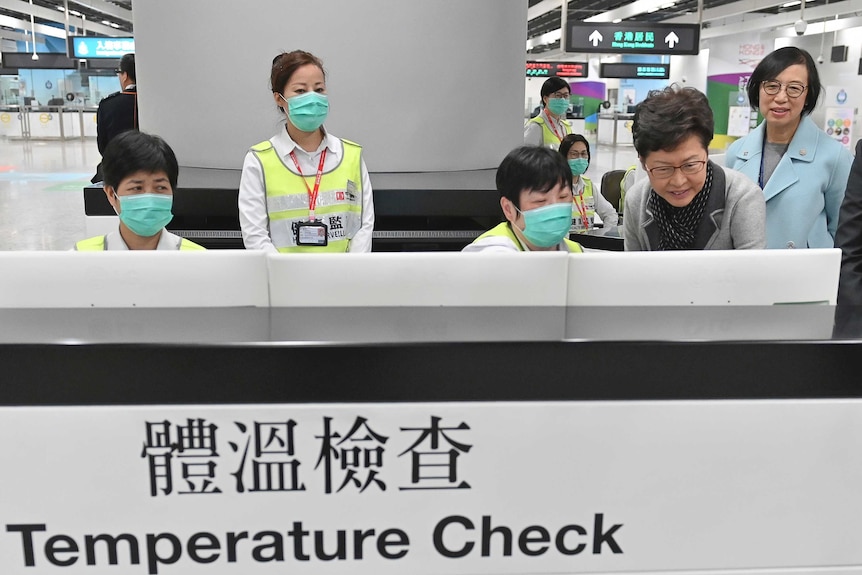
342,226
300,201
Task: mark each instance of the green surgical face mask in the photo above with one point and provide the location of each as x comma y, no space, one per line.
558,106
579,166
307,111
548,225
146,214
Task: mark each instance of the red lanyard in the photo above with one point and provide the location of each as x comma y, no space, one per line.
312,194
554,128
582,208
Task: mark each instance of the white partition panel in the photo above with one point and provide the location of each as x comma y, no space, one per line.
133,279
423,86
417,279
718,277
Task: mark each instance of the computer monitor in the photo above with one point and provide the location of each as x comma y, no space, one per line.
417,279
704,278
418,296
149,279
702,295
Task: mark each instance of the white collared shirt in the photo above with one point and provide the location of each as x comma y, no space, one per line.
114,242
253,217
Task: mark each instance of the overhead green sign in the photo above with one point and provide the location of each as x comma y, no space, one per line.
633,38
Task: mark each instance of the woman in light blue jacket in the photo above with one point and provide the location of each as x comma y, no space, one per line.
802,171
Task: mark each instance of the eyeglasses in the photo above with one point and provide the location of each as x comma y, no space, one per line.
688,168
793,90
565,95
573,155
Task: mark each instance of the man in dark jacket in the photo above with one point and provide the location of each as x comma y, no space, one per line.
849,237
118,112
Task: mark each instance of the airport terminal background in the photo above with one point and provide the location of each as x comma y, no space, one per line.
41,175
639,432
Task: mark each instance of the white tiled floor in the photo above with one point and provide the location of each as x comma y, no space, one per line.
41,198
41,182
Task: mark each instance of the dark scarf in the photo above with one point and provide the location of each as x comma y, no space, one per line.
677,226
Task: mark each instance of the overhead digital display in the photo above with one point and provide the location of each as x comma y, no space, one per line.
561,69
633,38
91,47
635,70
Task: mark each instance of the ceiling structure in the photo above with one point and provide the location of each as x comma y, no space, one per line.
718,17
102,17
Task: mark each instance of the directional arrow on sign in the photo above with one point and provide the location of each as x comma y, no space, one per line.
671,39
595,38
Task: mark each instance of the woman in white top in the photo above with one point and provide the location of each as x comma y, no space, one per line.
588,200
304,190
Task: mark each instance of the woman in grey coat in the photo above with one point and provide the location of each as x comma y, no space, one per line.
688,202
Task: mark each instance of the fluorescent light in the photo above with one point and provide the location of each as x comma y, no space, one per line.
617,20
60,8
791,3
74,13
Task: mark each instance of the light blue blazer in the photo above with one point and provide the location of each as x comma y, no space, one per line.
804,193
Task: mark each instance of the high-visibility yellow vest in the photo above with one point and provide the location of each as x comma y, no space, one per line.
97,244
589,203
549,138
505,230
339,201
629,170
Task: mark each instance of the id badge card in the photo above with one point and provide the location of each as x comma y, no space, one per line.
311,234
577,225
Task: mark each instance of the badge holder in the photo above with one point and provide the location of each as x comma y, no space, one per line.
312,233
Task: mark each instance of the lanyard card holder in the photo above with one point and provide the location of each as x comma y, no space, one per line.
312,233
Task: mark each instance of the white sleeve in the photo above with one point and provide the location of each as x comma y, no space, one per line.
253,217
533,134
492,244
605,209
361,242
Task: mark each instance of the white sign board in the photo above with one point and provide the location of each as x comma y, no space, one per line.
446,488
739,121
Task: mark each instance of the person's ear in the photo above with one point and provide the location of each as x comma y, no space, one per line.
112,197
508,209
279,101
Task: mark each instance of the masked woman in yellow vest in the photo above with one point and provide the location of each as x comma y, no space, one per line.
304,190
139,173
588,201
535,187
550,127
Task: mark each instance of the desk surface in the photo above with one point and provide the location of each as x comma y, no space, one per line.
174,362
393,325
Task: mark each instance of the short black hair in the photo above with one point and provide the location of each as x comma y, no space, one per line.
133,151
127,65
774,64
554,84
531,168
669,116
569,141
